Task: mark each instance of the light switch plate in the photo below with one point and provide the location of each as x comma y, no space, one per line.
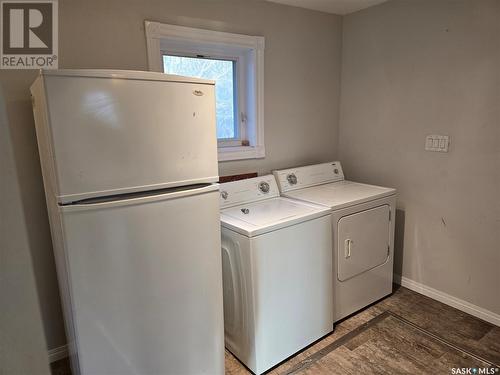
437,143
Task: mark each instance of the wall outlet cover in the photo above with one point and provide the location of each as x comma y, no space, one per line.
436,142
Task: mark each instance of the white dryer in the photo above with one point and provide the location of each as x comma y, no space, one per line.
363,231
277,272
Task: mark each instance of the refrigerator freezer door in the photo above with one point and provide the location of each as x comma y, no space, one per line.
146,286
109,136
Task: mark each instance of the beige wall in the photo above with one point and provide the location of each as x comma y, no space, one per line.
23,348
302,73
412,68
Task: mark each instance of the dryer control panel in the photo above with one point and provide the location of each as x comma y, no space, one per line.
249,190
310,175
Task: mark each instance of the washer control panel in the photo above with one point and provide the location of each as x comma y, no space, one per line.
310,175
249,190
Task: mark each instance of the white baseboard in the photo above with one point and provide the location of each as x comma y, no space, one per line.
449,300
58,353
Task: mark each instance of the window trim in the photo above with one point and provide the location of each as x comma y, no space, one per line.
250,52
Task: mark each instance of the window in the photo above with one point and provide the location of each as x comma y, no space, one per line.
222,72
235,62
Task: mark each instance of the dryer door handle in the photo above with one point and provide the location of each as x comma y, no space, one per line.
347,248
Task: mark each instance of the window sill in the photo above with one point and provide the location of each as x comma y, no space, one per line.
240,153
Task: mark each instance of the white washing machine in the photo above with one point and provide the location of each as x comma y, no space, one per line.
363,231
277,272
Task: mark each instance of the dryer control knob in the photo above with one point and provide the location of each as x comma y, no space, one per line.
264,187
292,179
223,194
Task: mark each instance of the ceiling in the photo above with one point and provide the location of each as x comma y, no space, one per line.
331,6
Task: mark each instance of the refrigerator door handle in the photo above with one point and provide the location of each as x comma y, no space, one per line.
144,198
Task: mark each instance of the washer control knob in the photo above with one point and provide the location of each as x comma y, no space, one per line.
264,187
336,171
246,211
292,179
224,194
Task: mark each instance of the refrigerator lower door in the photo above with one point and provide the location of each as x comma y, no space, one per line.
146,285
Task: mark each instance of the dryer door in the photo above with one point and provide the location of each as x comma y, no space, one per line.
363,241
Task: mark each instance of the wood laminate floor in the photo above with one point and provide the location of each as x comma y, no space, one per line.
405,333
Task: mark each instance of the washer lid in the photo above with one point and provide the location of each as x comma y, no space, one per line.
340,194
260,217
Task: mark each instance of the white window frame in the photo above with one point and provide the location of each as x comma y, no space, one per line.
247,51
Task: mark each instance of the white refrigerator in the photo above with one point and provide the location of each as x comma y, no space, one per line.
129,162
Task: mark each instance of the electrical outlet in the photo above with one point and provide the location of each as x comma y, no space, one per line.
437,143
